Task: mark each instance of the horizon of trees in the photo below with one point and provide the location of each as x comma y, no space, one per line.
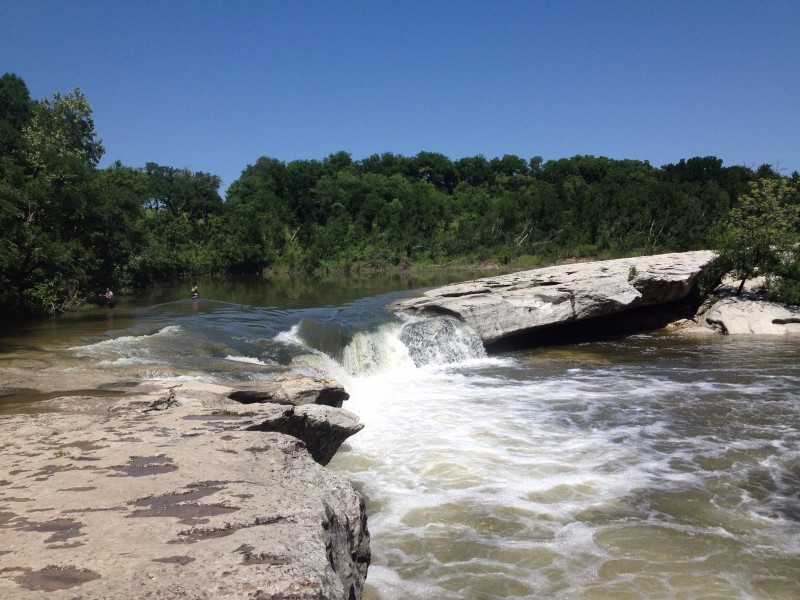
70,228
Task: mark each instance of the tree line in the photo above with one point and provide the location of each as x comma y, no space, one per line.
71,228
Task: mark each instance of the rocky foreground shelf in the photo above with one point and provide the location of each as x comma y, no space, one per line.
182,492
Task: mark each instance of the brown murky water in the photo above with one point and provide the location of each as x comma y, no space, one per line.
649,467
646,467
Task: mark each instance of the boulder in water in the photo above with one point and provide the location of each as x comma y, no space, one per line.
323,429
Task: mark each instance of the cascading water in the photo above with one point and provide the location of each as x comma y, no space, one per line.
536,475
401,344
646,467
440,341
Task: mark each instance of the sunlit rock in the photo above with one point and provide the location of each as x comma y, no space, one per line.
509,305
295,390
179,492
735,316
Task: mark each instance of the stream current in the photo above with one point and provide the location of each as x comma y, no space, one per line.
652,466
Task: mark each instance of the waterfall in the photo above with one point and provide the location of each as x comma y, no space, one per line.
409,343
441,340
416,342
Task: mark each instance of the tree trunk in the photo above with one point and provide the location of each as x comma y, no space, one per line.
741,285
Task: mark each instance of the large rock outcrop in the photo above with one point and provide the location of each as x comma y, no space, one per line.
178,493
517,303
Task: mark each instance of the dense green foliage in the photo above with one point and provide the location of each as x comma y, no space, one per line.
70,228
762,235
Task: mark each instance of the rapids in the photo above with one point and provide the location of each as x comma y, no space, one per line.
653,466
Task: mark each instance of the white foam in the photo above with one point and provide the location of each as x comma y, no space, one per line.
376,352
545,455
155,375
125,361
385,350
246,359
125,343
290,337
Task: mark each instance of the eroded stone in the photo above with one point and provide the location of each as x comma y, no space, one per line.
53,578
501,307
207,494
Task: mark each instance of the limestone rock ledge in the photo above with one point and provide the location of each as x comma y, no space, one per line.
749,313
507,305
295,390
178,492
735,316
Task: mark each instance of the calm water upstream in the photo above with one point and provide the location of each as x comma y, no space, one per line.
647,467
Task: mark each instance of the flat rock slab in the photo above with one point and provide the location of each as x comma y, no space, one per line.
173,494
508,305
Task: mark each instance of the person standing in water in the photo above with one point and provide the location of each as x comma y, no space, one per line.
195,291
109,297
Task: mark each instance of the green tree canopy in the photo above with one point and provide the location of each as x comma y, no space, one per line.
47,200
16,110
69,227
761,234
61,136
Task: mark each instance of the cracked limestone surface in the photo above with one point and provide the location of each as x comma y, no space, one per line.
507,305
141,497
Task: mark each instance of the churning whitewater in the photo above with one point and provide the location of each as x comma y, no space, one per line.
648,467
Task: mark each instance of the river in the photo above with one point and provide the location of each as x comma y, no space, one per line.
653,466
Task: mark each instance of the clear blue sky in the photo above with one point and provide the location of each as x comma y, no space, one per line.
212,86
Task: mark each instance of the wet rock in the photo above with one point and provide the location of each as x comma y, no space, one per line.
55,577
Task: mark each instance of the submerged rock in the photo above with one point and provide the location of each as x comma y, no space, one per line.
178,492
509,305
